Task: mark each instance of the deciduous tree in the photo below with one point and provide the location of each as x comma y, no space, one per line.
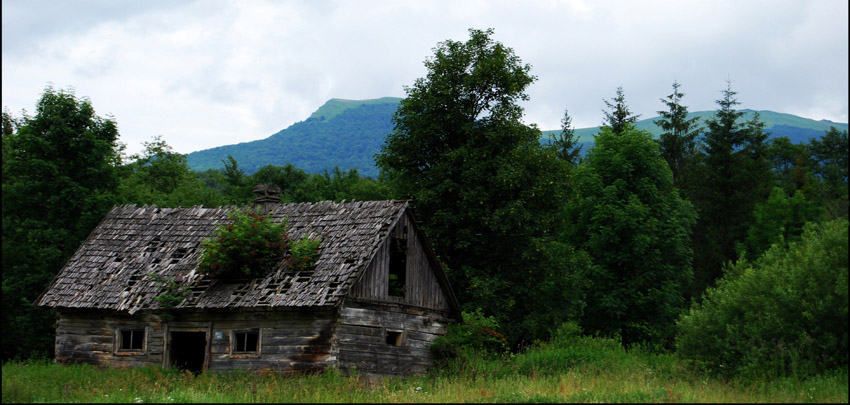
625,212
483,187
59,178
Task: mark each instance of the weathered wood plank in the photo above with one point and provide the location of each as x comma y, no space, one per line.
396,352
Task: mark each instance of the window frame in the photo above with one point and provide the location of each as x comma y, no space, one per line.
234,342
133,331
398,335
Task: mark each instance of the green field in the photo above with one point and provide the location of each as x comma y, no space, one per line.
590,370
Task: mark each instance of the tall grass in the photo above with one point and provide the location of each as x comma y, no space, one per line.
580,369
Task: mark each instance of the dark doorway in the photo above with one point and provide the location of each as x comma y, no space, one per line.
187,350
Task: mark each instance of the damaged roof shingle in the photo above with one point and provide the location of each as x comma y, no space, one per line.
110,270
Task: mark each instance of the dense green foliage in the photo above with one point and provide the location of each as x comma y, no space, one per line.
159,176
626,214
725,182
303,253
247,245
59,180
785,313
777,220
475,337
483,186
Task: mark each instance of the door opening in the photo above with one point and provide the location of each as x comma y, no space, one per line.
188,350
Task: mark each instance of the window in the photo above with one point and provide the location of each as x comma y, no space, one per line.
395,338
131,340
246,341
398,267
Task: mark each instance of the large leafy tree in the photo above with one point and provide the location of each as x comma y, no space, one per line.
482,185
732,177
625,212
59,178
619,115
677,142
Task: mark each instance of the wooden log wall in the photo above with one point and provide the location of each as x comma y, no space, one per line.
90,337
421,287
362,337
290,339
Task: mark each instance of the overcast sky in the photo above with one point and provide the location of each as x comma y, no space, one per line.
207,73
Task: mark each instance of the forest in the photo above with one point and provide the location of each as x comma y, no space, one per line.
709,241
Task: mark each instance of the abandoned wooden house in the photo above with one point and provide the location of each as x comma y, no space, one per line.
375,299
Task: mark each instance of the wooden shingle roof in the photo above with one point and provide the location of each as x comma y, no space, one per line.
110,270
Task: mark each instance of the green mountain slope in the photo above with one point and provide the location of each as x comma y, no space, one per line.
348,133
796,128
336,106
344,133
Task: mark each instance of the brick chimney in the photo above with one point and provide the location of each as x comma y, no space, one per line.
266,196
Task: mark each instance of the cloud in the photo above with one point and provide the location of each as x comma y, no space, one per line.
210,73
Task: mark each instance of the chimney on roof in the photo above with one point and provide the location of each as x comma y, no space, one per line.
266,196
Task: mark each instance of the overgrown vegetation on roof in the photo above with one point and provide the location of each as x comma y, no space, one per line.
248,245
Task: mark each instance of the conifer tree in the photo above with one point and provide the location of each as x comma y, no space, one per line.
677,142
566,142
733,176
619,116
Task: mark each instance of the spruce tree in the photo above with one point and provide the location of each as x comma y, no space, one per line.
677,142
733,176
566,142
619,116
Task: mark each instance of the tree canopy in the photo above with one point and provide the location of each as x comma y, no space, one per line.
59,180
482,185
625,212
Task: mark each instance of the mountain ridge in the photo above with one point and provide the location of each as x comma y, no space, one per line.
348,133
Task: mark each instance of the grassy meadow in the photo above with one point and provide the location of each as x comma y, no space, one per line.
595,370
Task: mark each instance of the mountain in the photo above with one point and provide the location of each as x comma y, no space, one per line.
344,133
348,133
797,129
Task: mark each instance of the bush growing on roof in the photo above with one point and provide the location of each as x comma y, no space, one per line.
251,245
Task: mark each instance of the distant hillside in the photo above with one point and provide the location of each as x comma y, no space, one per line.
344,133
348,133
797,129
